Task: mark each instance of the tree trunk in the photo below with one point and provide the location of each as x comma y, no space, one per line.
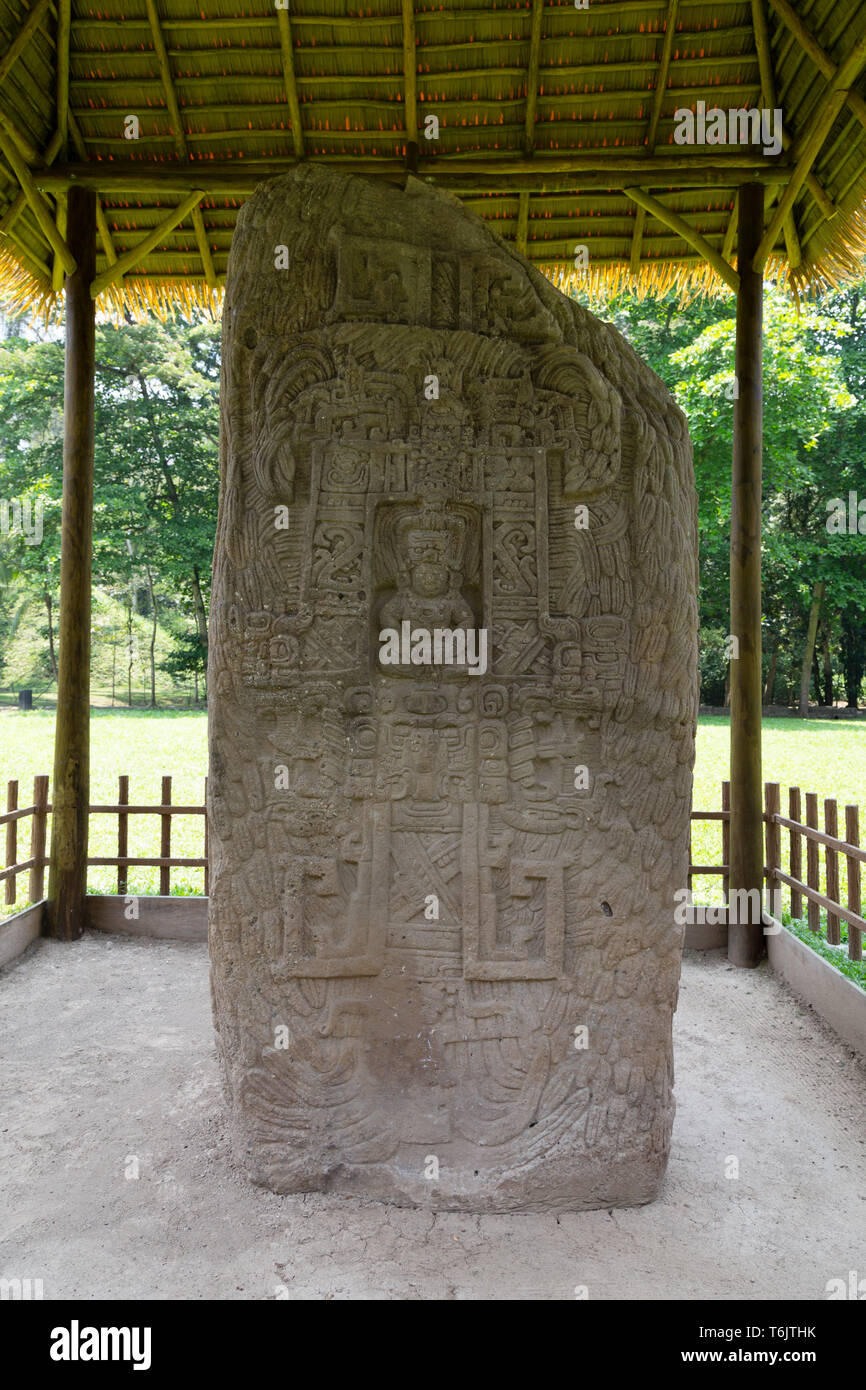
827,666
809,648
129,652
154,616
853,657
49,606
770,687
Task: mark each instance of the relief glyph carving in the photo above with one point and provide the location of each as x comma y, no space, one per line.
409,877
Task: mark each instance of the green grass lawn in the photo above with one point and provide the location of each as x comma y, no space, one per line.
825,756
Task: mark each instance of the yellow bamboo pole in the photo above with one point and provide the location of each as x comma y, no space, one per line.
137,253
41,210
290,81
18,44
180,143
768,89
688,233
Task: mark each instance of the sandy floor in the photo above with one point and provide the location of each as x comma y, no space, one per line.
107,1055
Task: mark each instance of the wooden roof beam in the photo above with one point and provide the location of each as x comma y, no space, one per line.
768,89
684,229
41,211
179,135
18,44
289,80
809,146
410,83
532,70
599,170
820,57
655,117
131,258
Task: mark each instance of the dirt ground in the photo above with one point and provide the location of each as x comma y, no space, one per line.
107,1058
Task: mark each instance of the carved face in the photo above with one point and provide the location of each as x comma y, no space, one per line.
427,552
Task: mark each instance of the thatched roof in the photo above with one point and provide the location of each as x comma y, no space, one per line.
556,123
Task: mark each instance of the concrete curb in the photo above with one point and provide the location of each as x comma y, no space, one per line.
839,1002
17,932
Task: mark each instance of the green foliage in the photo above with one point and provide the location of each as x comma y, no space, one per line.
156,484
814,450
837,956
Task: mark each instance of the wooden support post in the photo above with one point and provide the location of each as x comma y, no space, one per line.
795,812
165,839
831,860
773,806
11,842
38,830
206,846
813,870
726,838
122,834
746,939
67,880
852,835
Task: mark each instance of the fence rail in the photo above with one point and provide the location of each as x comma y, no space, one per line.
776,875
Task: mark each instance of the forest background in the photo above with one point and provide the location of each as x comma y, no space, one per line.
157,474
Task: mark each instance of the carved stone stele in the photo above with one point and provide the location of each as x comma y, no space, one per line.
445,956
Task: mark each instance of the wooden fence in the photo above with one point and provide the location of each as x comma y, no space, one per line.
846,850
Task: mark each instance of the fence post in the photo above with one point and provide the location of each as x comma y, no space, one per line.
207,850
11,841
795,812
852,835
122,835
772,805
831,859
165,840
726,838
812,866
38,830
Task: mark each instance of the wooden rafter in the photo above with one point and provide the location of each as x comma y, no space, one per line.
41,211
410,74
64,29
820,57
532,70
679,225
137,253
809,147
289,81
768,91
652,128
179,136
20,42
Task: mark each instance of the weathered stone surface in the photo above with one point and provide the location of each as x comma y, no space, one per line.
414,421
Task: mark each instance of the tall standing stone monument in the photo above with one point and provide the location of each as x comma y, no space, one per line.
453,695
